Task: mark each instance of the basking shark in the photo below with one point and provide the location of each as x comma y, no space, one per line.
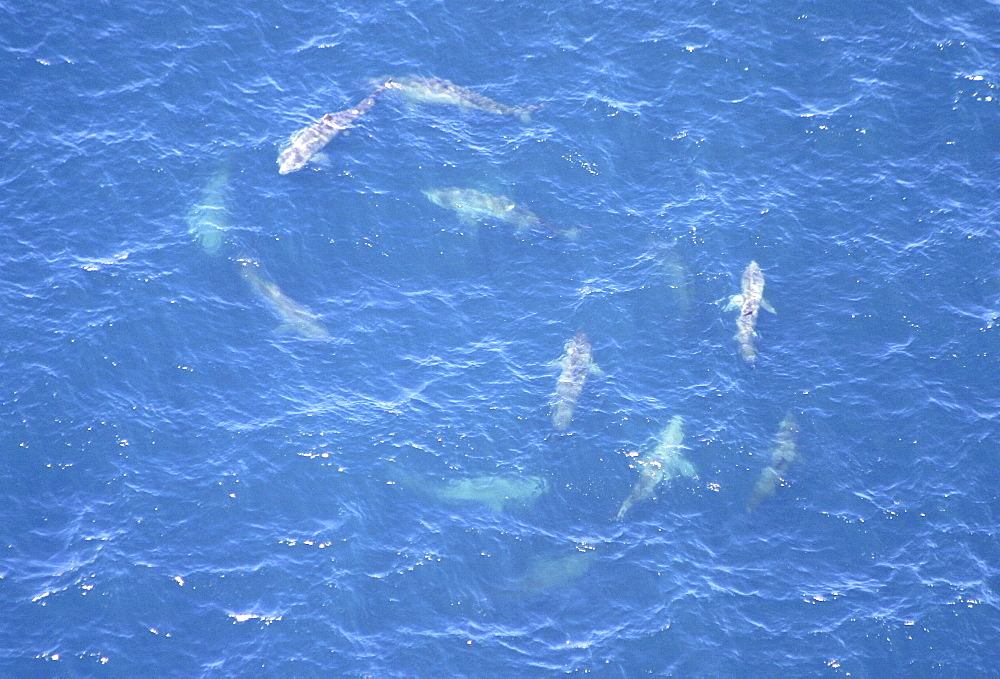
663,463
782,456
438,91
496,491
473,207
675,273
294,317
208,220
577,362
546,573
749,302
308,141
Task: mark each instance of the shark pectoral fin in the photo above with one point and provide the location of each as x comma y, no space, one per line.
767,305
321,160
735,302
596,371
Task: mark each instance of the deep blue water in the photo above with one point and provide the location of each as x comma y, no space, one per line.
190,491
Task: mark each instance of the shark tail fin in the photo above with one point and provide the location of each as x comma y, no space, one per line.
524,114
620,514
573,232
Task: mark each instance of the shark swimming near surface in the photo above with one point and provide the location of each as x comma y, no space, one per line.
209,218
749,302
674,272
496,492
294,317
474,207
665,462
438,91
308,141
783,455
553,572
577,363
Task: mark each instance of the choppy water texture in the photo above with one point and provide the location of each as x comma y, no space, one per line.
266,425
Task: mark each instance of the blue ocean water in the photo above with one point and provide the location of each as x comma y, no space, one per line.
192,490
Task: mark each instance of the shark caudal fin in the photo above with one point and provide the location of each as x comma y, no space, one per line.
620,514
524,115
